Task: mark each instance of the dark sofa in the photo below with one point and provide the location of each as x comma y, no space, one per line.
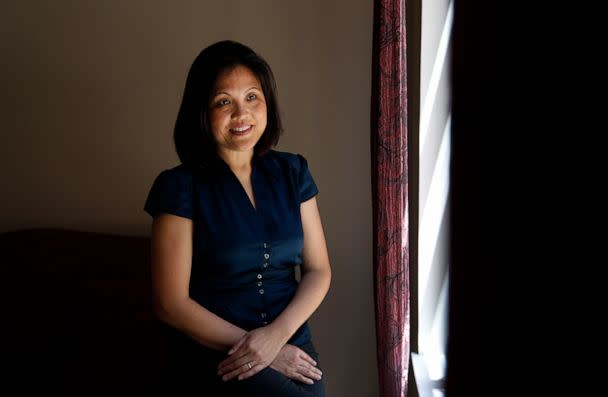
77,317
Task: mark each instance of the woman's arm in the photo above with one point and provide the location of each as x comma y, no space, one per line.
262,345
316,273
171,266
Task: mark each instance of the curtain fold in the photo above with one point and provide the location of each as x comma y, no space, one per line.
389,154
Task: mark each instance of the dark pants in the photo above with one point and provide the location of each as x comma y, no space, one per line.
194,372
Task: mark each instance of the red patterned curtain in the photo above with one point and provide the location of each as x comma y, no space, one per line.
389,146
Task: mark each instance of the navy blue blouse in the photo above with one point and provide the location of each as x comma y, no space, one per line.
244,258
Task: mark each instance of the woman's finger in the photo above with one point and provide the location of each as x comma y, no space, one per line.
310,371
233,363
239,370
304,356
303,379
250,371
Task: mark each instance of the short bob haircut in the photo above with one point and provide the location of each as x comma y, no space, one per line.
192,136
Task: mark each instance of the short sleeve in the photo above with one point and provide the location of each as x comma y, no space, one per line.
171,193
308,188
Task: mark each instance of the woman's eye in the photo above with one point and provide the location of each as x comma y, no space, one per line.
221,102
251,97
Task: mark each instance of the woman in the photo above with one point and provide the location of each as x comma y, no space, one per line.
230,225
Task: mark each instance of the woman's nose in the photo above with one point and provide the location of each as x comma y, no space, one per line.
239,110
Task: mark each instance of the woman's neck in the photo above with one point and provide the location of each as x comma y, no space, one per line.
237,161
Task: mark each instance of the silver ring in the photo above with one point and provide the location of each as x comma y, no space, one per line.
249,365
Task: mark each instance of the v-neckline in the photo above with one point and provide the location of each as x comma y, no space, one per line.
253,204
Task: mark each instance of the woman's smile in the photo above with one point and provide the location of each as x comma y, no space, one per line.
243,130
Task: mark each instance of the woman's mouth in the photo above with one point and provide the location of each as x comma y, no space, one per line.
242,130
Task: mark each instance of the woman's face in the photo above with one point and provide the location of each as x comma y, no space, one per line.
237,111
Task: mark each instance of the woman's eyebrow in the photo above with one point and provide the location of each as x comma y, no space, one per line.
219,92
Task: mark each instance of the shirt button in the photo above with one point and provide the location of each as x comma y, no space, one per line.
265,264
266,256
263,315
261,292
259,276
265,322
259,283
265,245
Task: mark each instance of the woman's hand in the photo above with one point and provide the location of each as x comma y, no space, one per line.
252,353
296,364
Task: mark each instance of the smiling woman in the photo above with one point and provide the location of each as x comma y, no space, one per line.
230,226
238,111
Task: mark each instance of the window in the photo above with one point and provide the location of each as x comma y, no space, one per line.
429,359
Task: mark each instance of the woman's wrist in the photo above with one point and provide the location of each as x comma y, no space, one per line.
281,331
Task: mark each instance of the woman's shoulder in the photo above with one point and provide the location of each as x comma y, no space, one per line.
296,166
172,177
171,193
286,159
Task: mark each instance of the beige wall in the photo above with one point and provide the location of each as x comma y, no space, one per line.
90,91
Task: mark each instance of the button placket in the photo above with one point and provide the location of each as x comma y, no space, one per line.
260,283
261,290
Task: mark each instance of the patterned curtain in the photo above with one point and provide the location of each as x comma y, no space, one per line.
389,153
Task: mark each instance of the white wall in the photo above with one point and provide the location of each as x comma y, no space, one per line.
90,91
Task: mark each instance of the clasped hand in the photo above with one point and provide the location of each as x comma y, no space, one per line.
263,347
